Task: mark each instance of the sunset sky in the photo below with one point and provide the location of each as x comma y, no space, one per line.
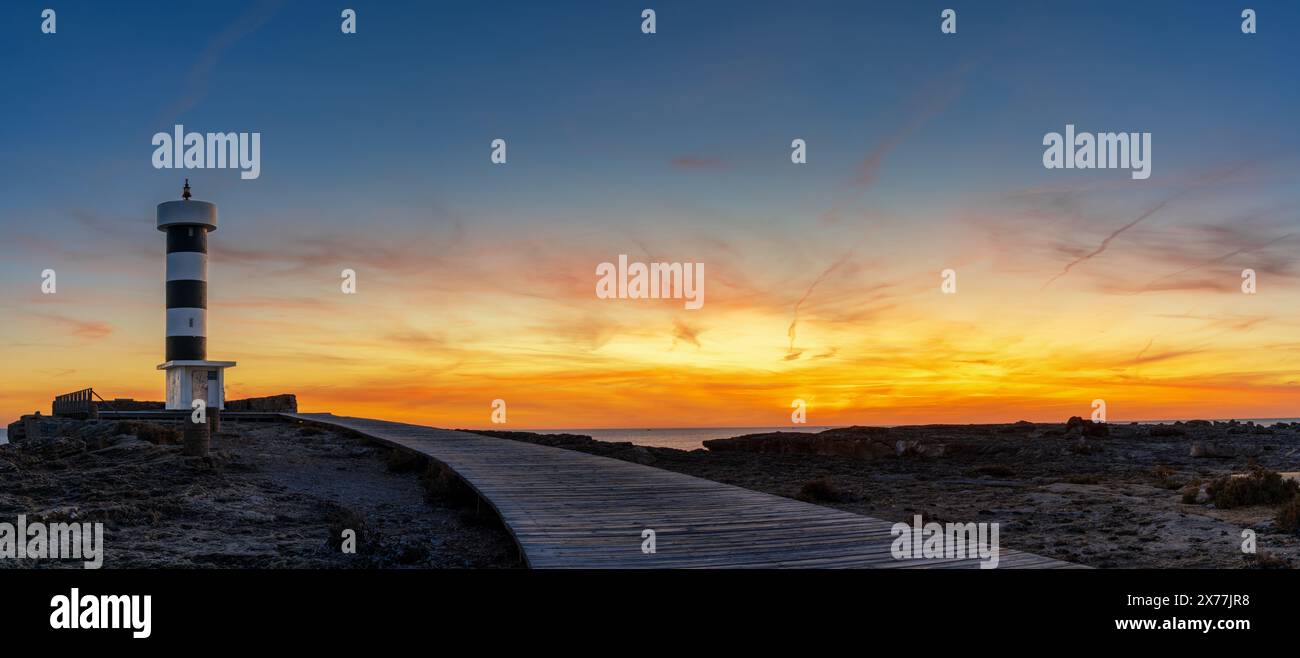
476,281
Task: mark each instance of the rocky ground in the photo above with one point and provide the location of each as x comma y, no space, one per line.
270,495
1108,496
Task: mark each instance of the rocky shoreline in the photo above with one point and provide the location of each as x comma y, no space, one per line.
269,495
1103,495
278,494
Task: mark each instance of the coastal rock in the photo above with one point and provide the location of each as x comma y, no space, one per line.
122,443
35,427
1020,426
918,449
1210,450
855,442
642,455
1223,450
56,448
1077,426
16,431
1084,447
1166,430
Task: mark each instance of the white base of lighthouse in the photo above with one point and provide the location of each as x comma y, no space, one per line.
196,380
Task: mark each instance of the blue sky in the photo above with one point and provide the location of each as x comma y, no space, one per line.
594,111
675,144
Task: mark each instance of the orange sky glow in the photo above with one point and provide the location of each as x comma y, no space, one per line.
435,339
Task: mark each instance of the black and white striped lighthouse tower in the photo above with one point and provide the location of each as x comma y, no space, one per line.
190,376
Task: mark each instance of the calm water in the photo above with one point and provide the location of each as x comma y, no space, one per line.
690,438
682,438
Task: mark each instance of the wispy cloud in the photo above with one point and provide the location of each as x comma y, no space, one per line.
685,333
1162,283
87,329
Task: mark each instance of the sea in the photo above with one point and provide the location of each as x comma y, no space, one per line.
691,438
682,438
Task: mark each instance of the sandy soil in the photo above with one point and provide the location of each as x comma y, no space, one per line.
271,495
1105,501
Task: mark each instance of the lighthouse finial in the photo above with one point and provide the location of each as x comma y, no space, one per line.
186,193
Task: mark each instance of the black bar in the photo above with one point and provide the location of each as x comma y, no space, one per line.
187,348
187,293
938,609
187,238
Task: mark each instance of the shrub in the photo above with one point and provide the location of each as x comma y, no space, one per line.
1259,487
405,461
1266,560
1288,518
823,489
441,484
1164,477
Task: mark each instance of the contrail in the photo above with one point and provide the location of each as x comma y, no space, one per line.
1106,242
932,105
1212,261
1138,358
1209,180
196,80
820,277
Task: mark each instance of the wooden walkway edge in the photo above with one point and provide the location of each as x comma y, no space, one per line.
568,509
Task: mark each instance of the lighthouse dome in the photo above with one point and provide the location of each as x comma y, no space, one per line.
187,213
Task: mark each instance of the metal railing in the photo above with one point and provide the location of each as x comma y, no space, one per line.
76,403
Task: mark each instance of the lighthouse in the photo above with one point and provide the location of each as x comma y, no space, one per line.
190,375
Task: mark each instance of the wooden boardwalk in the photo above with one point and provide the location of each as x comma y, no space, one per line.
568,509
